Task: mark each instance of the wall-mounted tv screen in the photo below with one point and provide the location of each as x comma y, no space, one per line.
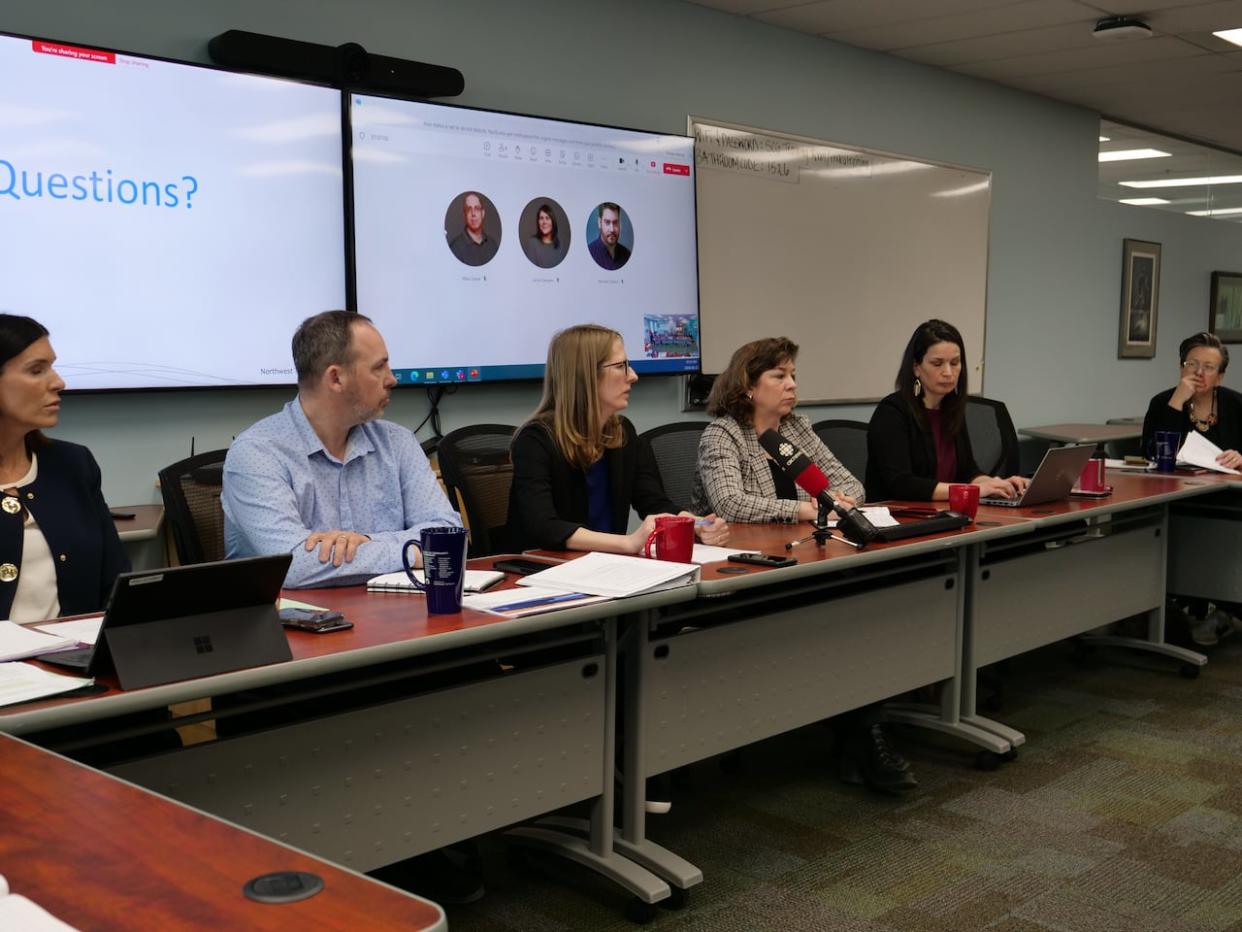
170,224
479,234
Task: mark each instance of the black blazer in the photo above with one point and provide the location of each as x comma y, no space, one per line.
1226,433
68,505
901,454
548,498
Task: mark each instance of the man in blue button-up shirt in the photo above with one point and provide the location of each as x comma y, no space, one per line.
325,479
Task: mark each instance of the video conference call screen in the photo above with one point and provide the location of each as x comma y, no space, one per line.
169,224
479,234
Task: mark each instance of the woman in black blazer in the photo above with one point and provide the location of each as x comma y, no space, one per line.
59,551
578,466
917,443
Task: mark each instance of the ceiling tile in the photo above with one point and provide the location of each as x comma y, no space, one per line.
1004,46
746,7
1141,7
1007,19
827,16
1103,55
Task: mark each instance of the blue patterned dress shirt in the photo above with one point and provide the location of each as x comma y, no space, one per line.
281,485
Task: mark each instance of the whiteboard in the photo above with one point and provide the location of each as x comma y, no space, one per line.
843,250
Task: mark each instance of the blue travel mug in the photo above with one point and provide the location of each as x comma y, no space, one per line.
1167,443
444,565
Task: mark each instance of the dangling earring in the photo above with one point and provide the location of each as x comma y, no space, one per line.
918,388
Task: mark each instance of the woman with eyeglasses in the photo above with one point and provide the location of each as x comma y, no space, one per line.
59,550
578,465
1198,402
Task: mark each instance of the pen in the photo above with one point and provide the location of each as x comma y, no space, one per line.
543,600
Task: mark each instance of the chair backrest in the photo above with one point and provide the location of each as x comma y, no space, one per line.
993,439
191,492
847,440
475,466
676,449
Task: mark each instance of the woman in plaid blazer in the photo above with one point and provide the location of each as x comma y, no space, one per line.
736,478
741,483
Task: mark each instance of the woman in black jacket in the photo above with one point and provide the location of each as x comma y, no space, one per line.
1198,402
59,551
917,443
578,466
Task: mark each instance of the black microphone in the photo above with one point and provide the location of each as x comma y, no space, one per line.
811,479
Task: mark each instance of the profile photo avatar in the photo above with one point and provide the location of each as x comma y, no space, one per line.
545,232
472,228
612,236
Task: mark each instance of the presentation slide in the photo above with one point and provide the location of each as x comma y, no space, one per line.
478,235
169,224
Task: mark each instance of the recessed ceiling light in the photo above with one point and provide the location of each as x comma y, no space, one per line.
1143,201
1230,35
1105,138
1125,155
1217,212
1184,182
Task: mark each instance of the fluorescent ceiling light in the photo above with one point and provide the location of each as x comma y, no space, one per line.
1125,155
1143,201
1230,35
1184,182
1217,212
1105,138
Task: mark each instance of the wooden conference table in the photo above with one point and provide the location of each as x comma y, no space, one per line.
99,853
411,732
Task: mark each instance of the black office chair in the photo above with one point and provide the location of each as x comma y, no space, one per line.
993,439
191,491
676,449
848,442
475,466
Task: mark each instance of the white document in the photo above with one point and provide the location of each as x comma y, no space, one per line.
80,630
704,553
613,575
1201,452
17,642
1123,466
18,912
531,600
476,581
21,682
878,515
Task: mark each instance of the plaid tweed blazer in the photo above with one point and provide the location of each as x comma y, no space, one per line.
734,479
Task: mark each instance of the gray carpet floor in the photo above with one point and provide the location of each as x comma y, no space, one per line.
1122,812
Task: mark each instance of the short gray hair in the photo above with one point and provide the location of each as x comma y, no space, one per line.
324,340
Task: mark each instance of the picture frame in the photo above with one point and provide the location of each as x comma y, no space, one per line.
1140,299
1225,311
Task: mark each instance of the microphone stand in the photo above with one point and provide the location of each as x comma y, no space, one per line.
821,533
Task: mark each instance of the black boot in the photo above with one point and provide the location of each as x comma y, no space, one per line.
868,757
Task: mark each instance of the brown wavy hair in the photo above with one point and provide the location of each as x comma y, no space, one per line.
729,391
569,409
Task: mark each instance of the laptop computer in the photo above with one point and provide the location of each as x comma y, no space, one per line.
1054,478
166,625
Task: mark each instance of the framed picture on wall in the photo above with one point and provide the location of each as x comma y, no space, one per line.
1140,299
1225,314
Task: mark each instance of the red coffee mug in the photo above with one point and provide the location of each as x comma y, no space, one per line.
673,538
964,499
1092,477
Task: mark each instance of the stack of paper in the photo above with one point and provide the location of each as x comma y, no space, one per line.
878,515
476,581
1201,452
17,643
613,575
531,600
80,630
22,682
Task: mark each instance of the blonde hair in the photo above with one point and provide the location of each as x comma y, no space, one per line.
569,409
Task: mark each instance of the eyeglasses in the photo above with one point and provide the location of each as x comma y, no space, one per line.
1207,368
623,366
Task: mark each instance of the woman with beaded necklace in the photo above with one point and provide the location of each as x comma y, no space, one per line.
1198,402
